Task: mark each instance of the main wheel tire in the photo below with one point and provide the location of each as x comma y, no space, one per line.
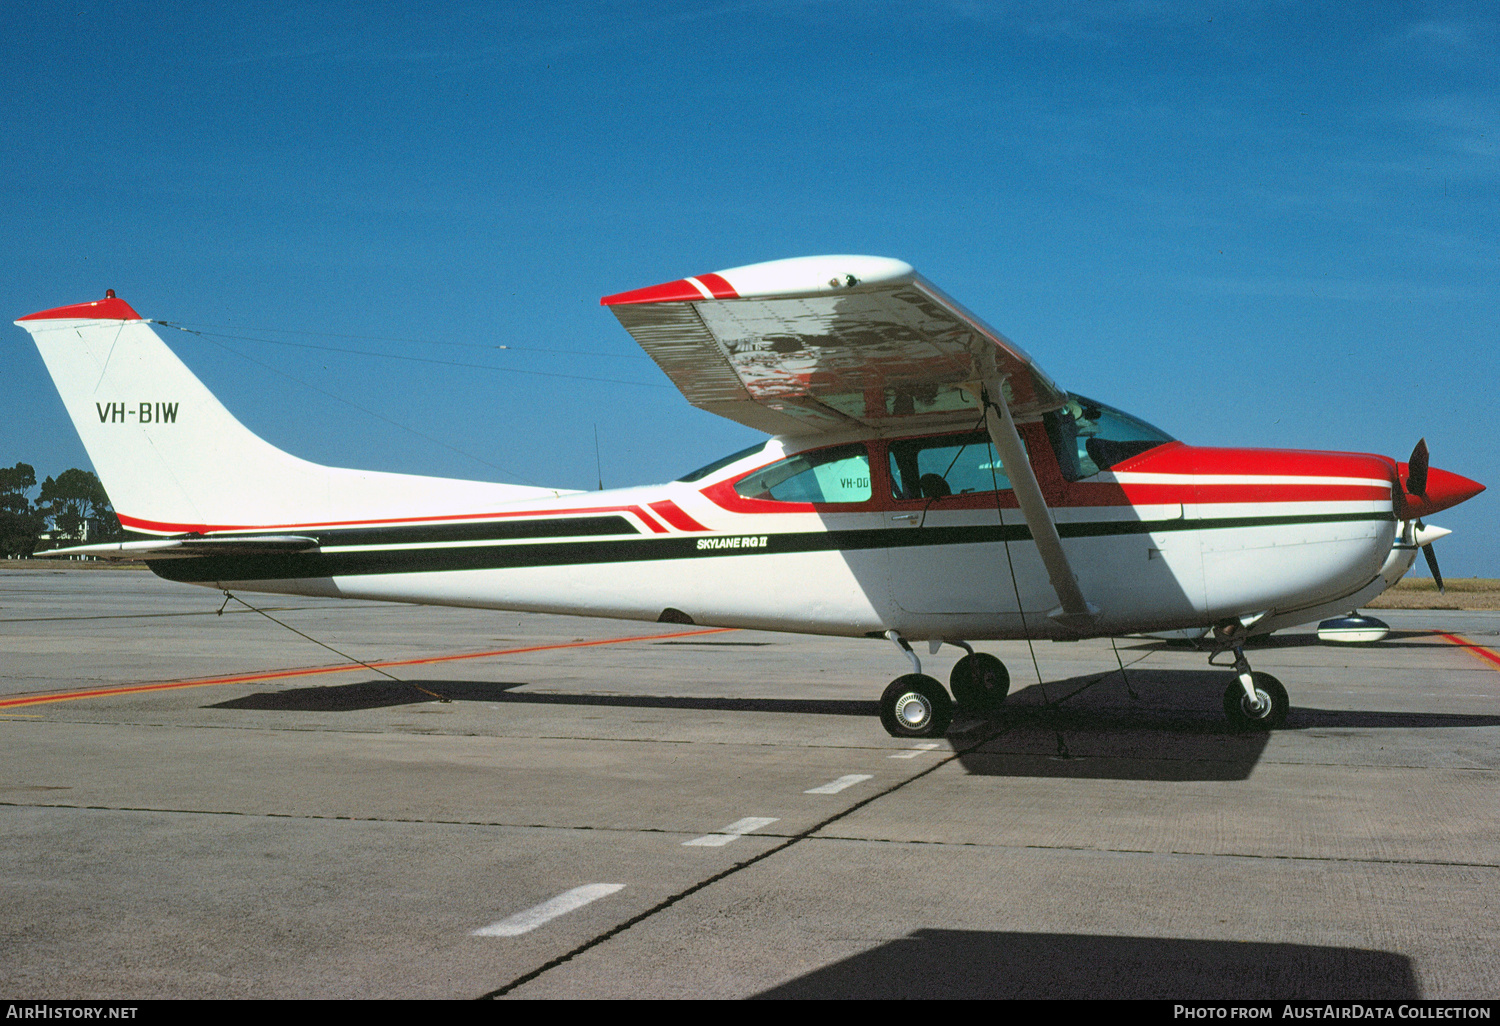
1243,716
980,682
915,705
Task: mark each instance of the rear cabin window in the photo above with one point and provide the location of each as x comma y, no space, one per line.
1089,437
840,473
944,465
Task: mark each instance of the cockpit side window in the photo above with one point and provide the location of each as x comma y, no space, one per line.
1089,437
840,473
944,465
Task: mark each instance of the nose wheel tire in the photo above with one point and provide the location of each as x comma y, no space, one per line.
980,683
915,705
1243,715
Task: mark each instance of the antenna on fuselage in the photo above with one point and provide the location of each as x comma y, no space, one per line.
598,467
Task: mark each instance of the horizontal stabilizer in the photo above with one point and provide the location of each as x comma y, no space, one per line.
182,548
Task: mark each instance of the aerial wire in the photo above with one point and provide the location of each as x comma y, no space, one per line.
211,335
348,402
598,466
315,641
417,341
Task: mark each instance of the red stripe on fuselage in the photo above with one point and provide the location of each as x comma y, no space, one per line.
674,515
1083,494
158,527
1190,459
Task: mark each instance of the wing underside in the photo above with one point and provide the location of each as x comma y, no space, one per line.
823,344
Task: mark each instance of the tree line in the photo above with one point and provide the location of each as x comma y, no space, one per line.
73,506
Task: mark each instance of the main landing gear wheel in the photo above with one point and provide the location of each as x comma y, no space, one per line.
1245,716
980,682
915,705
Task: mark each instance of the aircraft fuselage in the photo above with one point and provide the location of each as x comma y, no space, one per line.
1176,537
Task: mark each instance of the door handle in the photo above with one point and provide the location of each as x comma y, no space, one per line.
906,516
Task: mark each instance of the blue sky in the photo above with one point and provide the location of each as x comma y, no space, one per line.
1268,224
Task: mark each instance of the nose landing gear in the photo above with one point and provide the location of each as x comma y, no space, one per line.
1254,701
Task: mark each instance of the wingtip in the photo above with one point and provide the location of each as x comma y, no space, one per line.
684,290
794,276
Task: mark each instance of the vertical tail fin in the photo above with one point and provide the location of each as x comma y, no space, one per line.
174,460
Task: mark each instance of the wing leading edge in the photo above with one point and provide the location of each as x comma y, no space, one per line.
829,343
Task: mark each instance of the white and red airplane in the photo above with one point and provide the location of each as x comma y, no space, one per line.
925,481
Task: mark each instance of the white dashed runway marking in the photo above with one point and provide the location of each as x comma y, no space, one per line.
523,922
835,786
912,753
738,828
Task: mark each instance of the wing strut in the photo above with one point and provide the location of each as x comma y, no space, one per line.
1075,611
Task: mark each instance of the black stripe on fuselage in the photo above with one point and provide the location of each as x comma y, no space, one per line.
642,549
489,530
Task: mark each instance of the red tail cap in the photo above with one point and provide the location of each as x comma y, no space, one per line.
110,308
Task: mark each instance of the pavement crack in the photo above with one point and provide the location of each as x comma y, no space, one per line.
326,817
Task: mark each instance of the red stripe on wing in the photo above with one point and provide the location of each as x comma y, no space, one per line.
718,286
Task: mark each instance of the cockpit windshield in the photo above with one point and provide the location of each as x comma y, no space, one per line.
720,464
1089,436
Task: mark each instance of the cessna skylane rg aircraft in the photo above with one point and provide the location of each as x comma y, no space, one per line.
925,481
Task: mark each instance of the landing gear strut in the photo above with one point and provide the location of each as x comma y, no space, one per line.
1254,701
915,705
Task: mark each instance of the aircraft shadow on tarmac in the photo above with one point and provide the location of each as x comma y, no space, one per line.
1174,732
932,963
380,693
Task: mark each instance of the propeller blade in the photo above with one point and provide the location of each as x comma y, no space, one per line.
1437,575
1416,469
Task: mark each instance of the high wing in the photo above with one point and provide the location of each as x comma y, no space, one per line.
828,343
833,343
